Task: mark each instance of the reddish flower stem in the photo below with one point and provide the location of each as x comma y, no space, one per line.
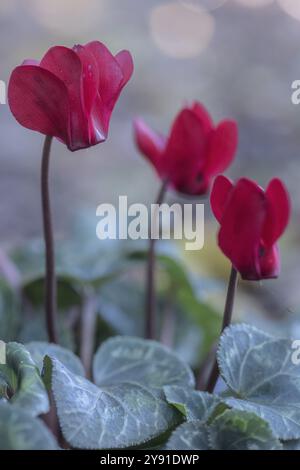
214,375
150,321
50,278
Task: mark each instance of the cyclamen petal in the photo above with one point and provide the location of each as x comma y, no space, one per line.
220,195
71,93
184,153
203,116
149,142
125,61
241,227
28,92
223,142
278,212
110,73
90,76
65,64
194,152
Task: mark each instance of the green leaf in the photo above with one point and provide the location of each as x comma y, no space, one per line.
9,312
260,373
189,436
34,329
240,430
172,266
23,382
134,360
38,350
121,304
20,431
193,404
185,295
291,445
78,262
67,294
232,430
3,388
88,263
127,406
205,318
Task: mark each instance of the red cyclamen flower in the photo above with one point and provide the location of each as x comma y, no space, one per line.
71,93
194,152
252,220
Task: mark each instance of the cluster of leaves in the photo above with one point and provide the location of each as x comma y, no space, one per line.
113,276
259,407
143,395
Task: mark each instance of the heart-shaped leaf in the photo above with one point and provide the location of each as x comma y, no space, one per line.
232,430
20,431
193,404
78,263
240,430
127,406
38,350
260,373
134,360
189,436
24,385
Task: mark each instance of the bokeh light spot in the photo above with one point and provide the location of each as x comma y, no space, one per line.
203,4
181,32
291,7
69,18
254,3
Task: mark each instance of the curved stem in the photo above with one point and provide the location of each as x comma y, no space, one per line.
50,279
150,323
214,375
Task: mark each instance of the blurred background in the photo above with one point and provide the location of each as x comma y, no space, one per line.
239,57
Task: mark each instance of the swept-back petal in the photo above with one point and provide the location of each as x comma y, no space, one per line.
94,110
28,94
278,212
222,147
150,143
110,73
220,194
125,61
66,65
90,76
241,228
203,115
184,156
